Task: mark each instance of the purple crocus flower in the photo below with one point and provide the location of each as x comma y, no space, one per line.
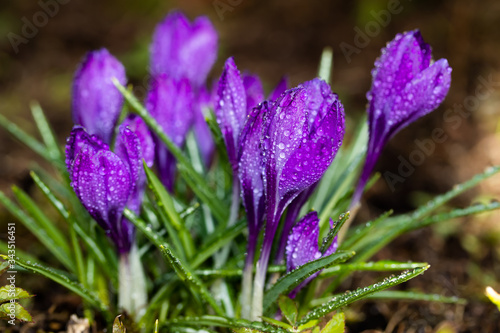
406,85
170,102
231,108
251,173
106,182
96,103
302,247
253,90
182,49
301,135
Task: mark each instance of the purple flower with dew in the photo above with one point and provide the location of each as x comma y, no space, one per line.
106,182
201,131
302,133
170,102
406,85
134,144
182,49
254,91
250,173
231,108
96,103
302,247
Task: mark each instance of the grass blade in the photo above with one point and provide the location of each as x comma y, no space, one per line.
64,281
415,296
47,134
220,321
37,230
166,204
360,293
289,281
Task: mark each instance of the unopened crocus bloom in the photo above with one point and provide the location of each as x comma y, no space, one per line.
406,85
106,182
96,102
302,133
302,247
170,102
182,49
231,108
253,90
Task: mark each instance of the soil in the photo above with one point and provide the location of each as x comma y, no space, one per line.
275,38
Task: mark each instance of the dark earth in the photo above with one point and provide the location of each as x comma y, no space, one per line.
275,38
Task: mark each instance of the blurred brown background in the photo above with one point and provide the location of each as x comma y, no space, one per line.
286,37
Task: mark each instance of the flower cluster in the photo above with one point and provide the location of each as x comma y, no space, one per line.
279,147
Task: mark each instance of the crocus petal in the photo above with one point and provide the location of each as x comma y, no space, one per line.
96,103
279,89
302,247
170,102
77,139
184,50
254,91
231,108
251,169
139,127
102,183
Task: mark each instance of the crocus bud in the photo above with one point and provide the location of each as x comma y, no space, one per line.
103,183
182,49
406,85
254,91
301,135
170,102
302,247
96,102
231,108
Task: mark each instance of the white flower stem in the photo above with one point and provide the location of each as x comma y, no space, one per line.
132,293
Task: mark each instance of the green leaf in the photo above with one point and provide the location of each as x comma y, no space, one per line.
7,293
4,265
326,64
57,250
220,321
327,241
277,323
51,230
286,283
336,324
288,308
415,296
25,138
20,312
118,326
377,266
310,324
194,179
166,204
192,281
47,134
109,266
360,293
64,281
217,243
